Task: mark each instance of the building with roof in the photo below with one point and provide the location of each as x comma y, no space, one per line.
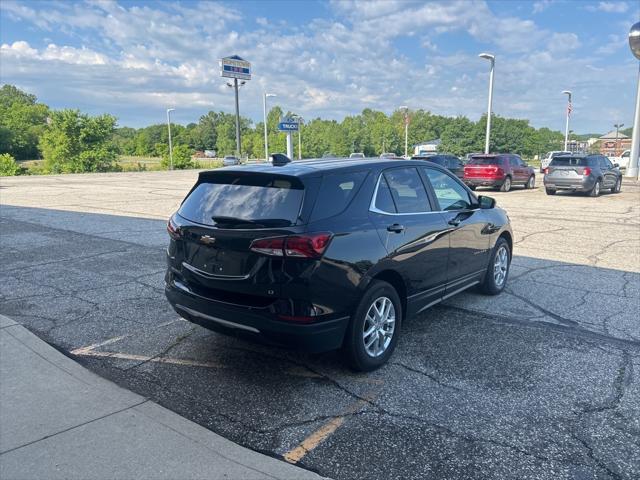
613,146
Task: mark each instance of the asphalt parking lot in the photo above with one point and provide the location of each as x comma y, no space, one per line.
539,382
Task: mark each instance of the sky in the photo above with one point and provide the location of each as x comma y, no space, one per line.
330,59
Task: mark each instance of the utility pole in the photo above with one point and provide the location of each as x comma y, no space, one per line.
238,144
266,136
634,44
566,127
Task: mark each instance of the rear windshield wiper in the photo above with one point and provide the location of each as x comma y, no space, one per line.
261,222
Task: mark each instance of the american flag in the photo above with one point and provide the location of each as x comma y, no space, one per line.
569,108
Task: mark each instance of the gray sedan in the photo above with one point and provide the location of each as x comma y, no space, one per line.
582,173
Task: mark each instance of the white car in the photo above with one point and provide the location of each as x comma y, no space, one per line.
622,160
546,160
229,160
357,155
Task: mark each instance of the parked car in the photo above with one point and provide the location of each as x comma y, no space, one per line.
357,155
582,173
500,171
546,160
388,155
623,160
450,162
230,160
327,254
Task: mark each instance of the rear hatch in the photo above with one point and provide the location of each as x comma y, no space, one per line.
568,168
484,166
223,215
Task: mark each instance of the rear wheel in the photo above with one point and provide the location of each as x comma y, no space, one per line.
497,273
531,183
506,185
550,191
618,186
595,191
374,329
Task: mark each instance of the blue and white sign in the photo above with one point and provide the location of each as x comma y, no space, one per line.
235,67
288,125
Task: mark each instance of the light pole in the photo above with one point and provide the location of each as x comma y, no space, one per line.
566,127
616,148
405,109
266,138
169,110
634,44
492,58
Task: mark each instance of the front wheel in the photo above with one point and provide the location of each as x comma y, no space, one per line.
550,191
618,186
374,329
531,183
506,185
497,273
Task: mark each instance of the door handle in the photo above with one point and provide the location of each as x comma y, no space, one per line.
396,228
454,221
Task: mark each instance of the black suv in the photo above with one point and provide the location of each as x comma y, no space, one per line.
331,253
450,162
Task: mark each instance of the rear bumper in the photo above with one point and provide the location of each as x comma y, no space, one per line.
575,184
484,182
256,324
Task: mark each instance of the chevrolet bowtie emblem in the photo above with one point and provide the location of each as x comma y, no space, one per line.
207,240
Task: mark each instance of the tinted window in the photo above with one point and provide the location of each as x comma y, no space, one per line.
486,161
450,193
407,190
336,193
255,198
571,161
384,201
516,161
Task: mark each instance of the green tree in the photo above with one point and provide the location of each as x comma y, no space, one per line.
181,157
8,165
22,121
75,142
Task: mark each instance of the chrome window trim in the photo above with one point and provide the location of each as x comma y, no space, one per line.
374,209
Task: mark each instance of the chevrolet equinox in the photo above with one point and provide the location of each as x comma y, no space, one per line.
331,253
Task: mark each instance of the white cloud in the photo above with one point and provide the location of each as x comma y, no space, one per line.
609,7
541,5
563,42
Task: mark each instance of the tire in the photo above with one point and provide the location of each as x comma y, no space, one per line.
358,355
595,191
506,185
550,191
618,186
531,183
493,284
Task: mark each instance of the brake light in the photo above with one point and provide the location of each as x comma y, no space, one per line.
173,229
310,245
498,171
586,172
269,246
546,171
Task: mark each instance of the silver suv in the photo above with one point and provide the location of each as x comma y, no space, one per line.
582,173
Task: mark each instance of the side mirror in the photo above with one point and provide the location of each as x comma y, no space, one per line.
486,203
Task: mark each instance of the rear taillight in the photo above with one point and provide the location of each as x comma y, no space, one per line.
173,229
269,246
546,171
498,171
311,245
586,172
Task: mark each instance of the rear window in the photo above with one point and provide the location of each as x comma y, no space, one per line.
437,159
336,192
571,161
485,161
244,200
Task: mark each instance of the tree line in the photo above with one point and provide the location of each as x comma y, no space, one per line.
70,141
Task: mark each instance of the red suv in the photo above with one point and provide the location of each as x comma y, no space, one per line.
501,170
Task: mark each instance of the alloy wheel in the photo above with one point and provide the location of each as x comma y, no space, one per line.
500,266
379,325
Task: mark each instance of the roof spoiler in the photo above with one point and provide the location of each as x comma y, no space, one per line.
280,159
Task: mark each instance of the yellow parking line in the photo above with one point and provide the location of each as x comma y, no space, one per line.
146,358
325,431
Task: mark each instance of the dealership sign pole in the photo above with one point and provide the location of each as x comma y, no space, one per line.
236,68
289,125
